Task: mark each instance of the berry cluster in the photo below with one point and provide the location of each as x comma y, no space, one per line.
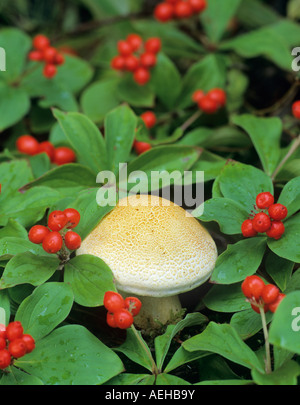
137,57
268,219
58,233
44,52
261,295
211,101
169,9
120,311
14,343
149,119
296,109
58,155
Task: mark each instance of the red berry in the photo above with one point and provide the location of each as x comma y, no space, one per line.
208,105
124,48
296,109
141,76
278,211
197,5
14,330
17,348
183,9
274,305
49,54
5,359
131,63
247,229
118,62
53,242
172,1
27,144
2,331
41,42
153,45
252,287
57,220
48,148
256,308
29,342
37,234
113,301
72,240
36,56
269,293
110,319
218,95
261,222
276,231
73,217
163,12
149,119
264,200
133,305
2,343
49,71
148,60
123,318
135,41
198,95
64,155
59,59
141,147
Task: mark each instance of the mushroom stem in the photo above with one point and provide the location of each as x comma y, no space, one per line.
156,311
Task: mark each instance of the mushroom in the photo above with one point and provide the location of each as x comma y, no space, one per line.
156,250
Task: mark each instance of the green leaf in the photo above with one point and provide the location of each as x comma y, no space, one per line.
28,268
216,17
265,134
71,355
220,210
225,341
135,95
234,265
287,374
171,159
168,379
68,179
99,98
162,343
290,196
16,44
19,377
247,323
29,207
166,81
45,308
85,139
136,352
14,105
226,298
11,246
279,269
242,183
120,125
210,164
182,356
288,246
285,327
13,175
14,229
90,277
209,72
132,379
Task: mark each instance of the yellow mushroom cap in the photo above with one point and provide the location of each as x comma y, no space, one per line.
153,247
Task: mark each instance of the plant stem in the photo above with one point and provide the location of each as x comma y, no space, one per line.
191,120
146,349
292,149
268,367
